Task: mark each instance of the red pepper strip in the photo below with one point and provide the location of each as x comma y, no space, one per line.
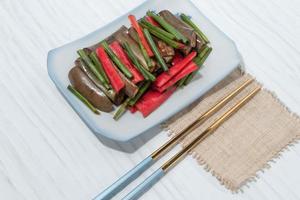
164,77
114,77
132,109
152,100
177,58
191,67
118,50
152,21
141,35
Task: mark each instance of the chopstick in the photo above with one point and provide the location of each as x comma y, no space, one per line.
131,175
153,178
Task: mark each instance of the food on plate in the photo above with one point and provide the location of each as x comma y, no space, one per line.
140,67
89,90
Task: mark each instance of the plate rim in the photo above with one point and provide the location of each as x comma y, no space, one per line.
73,103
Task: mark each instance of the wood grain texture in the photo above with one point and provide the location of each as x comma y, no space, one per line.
46,152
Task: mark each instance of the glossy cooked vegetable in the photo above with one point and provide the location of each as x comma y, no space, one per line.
142,90
152,100
177,58
168,27
147,75
152,21
191,67
139,68
110,93
187,20
120,53
116,60
122,109
164,49
149,62
122,37
151,27
93,68
166,76
183,28
113,75
81,82
83,99
130,88
155,50
199,63
170,42
140,33
99,67
179,25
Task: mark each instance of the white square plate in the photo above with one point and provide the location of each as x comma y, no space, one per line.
223,60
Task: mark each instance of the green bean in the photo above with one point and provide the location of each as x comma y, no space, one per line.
199,63
92,67
141,91
147,75
83,99
116,60
155,50
149,26
121,110
189,22
98,64
168,27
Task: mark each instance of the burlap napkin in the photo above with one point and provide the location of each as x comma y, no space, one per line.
246,142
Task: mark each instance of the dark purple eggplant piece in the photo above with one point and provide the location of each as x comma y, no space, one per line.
109,39
164,49
121,36
133,34
182,27
82,83
115,98
200,44
130,88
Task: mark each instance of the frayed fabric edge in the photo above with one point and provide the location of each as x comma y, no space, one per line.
228,184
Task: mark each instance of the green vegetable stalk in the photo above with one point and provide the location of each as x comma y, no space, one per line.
150,27
93,68
116,60
199,63
155,50
168,27
141,91
145,54
121,110
187,20
83,99
147,75
96,61
170,42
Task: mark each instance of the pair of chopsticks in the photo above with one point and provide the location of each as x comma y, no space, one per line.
131,175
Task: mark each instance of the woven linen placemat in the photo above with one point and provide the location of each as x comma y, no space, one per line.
246,142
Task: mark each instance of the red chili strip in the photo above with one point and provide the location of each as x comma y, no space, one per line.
118,50
152,100
191,67
164,77
141,35
114,77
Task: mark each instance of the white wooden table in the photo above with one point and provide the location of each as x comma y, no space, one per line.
46,151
